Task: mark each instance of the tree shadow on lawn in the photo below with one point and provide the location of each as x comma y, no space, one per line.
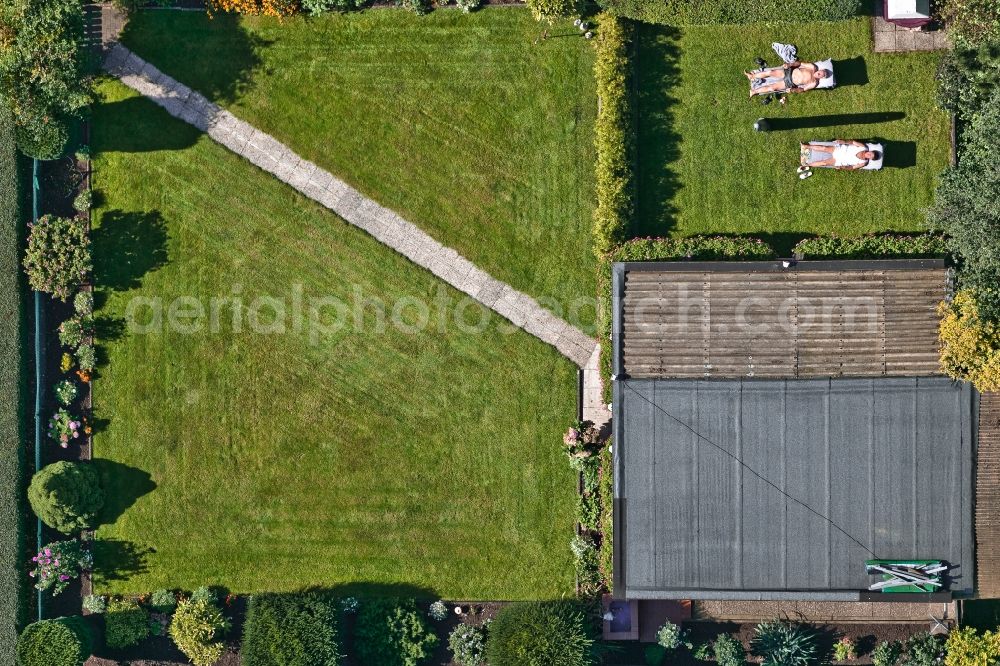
151,128
123,485
657,73
118,560
127,246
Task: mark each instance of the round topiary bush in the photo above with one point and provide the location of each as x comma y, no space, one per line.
291,630
67,496
392,632
42,139
65,641
542,634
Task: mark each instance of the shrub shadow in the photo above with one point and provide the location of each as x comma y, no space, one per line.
118,560
123,485
657,73
127,246
851,72
834,120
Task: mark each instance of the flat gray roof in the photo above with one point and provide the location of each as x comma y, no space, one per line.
772,489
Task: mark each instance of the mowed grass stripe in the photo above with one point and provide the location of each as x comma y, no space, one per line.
427,459
459,122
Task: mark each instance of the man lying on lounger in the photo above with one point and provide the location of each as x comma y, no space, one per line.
846,155
793,77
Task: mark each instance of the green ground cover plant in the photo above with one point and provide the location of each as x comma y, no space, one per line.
292,630
12,579
261,461
459,122
703,170
701,12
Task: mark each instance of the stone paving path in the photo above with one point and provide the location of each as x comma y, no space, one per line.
890,38
384,225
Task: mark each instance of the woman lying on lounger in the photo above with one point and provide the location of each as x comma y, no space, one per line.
846,155
793,77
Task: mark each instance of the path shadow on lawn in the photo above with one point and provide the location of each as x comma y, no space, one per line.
123,485
834,120
118,560
127,246
657,74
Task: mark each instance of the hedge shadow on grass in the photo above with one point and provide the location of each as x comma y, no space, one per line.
127,246
834,120
123,485
657,140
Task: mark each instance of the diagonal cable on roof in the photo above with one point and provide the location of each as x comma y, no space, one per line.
751,470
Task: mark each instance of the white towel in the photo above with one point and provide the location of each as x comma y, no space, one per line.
787,52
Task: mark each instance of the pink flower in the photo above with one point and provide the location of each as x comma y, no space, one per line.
63,577
47,551
31,573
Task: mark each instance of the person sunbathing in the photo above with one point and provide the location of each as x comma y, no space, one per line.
847,155
793,77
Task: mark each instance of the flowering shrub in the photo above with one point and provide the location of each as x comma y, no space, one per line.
59,563
316,7
66,362
585,559
95,603
469,5
58,255
83,303
277,8
65,392
349,605
550,10
438,611
886,653
872,246
83,201
844,650
671,636
86,357
72,332
418,7
728,651
582,444
63,428
967,647
970,346
468,645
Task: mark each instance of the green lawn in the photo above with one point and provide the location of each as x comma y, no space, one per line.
265,461
459,122
702,168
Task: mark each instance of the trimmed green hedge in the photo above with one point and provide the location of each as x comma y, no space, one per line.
12,578
873,246
693,248
706,12
614,134
292,630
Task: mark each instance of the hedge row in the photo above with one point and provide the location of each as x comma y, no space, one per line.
614,134
706,12
874,246
694,248
12,588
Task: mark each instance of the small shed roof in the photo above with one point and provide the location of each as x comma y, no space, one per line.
763,319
